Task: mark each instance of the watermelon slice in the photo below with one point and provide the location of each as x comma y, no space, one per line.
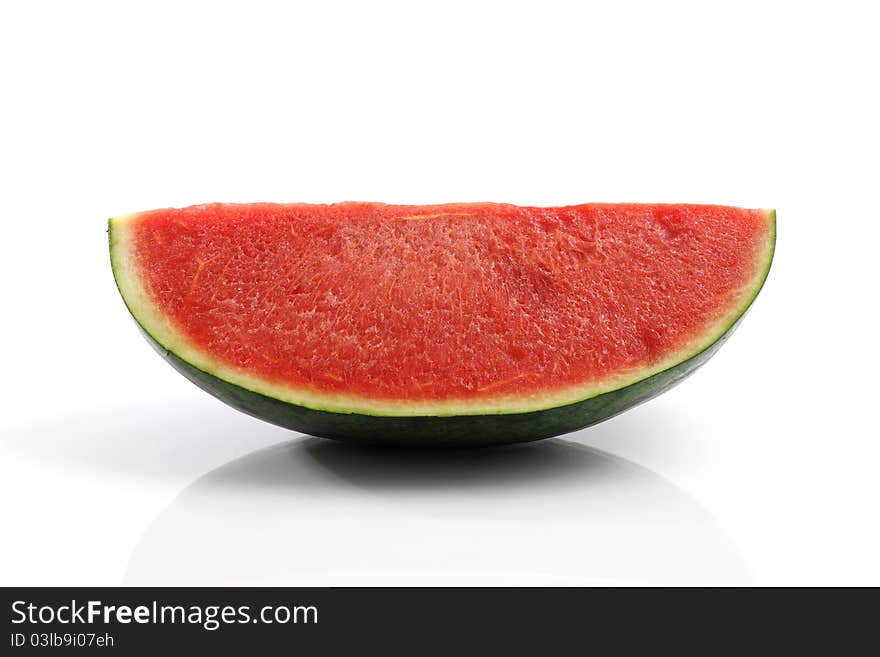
442,324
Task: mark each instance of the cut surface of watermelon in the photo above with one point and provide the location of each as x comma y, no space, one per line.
437,311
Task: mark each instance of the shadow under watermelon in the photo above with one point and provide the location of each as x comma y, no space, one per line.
315,512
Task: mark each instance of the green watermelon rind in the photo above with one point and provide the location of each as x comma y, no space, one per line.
453,429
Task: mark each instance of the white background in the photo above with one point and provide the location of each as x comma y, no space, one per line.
761,468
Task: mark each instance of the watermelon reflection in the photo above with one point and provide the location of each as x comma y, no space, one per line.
315,512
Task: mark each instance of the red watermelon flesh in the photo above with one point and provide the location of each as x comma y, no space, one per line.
455,304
